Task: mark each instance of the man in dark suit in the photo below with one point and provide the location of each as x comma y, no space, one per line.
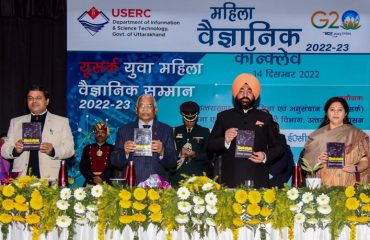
191,145
267,147
94,164
281,170
163,144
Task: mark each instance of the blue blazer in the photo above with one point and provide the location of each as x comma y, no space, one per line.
145,166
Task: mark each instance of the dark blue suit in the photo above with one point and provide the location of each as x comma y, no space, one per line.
145,166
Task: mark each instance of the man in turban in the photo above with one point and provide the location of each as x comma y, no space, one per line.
95,164
262,135
191,139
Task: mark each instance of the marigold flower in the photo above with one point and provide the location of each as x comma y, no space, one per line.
254,221
237,207
22,207
153,195
124,194
32,219
269,196
352,218
352,203
363,219
366,208
125,219
18,218
8,204
364,198
5,218
253,209
125,204
139,194
20,199
238,222
138,217
138,206
241,196
254,197
350,191
265,212
156,217
8,190
36,203
154,207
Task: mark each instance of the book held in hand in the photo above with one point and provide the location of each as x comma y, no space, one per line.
336,154
244,144
143,142
31,135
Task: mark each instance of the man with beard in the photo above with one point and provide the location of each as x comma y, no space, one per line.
94,164
266,147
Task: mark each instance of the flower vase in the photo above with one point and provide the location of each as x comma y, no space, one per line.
313,182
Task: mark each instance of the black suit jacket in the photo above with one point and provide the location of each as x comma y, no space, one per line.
282,169
234,171
145,166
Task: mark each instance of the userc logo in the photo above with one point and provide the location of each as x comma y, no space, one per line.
93,20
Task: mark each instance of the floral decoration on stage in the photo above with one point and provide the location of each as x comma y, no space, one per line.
198,207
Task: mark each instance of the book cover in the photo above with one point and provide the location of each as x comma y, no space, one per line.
336,154
31,135
244,143
143,142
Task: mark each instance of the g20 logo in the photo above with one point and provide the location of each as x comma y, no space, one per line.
350,20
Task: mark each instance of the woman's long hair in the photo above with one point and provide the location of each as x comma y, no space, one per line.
332,100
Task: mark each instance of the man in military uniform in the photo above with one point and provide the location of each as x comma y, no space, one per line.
191,147
95,165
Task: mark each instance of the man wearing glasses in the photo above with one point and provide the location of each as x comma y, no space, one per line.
163,152
56,139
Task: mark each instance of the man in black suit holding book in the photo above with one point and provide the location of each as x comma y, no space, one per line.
163,157
266,147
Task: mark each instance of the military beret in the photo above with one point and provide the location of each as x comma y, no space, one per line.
189,110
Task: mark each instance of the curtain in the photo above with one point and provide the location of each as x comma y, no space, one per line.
33,48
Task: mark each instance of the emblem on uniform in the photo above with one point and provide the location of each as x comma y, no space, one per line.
99,153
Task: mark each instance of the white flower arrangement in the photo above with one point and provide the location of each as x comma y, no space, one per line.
79,208
62,205
309,209
63,221
207,187
97,191
79,194
211,198
183,193
199,209
182,218
65,193
293,194
184,206
323,199
198,200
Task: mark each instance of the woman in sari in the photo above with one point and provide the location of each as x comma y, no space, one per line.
337,128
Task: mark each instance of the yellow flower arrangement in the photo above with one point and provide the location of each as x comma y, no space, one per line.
8,204
5,218
241,196
352,203
198,204
139,194
8,190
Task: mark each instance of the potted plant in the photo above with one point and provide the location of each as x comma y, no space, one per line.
311,180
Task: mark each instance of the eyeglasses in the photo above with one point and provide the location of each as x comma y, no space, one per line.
32,99
148,106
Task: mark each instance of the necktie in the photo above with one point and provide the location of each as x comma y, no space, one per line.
188,130
146,126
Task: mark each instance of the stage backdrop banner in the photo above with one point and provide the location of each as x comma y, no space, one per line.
303,52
